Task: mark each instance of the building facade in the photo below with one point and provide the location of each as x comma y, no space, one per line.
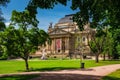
67,39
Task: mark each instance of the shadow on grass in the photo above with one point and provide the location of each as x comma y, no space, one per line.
19,77
55,76
49,69
53,69
51,76
110,78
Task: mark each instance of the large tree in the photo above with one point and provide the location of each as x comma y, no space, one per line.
108,45
21,43
116,38
2,28
97,42
97,12
25,40
2,25
42,4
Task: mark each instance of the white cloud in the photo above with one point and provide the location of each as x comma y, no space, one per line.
7,23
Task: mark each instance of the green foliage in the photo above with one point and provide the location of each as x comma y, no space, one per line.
3,54
93,46
21,43
2,26
42,4
109,43
116,38
97,43
118,49
97,12
24,40
46,4
23,19
99,15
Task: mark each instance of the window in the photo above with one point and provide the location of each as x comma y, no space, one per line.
78,39
58,50
83,39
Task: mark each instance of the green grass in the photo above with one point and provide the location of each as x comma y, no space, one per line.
113,76
14,66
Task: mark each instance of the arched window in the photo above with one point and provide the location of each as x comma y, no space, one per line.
83,38
78,39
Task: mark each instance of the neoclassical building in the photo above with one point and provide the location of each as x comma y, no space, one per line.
67,39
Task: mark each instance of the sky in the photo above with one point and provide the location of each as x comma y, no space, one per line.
44,16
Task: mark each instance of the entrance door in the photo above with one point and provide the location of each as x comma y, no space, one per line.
58,45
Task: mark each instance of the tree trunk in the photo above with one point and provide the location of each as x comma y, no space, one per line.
104,57
97,58
109,57
26,65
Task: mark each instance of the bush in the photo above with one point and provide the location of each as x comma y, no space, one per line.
3,57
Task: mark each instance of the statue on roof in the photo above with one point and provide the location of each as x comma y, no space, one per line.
50,25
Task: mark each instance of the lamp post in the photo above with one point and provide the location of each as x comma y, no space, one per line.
79,46
81,49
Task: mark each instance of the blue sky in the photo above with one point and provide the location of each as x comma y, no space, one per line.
44,16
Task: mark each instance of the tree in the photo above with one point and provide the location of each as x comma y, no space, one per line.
34,4
97,12
2,28
97,42
116,38
7,41
43,4
118,50
25,40
108,44
22,43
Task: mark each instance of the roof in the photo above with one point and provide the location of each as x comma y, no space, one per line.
66,19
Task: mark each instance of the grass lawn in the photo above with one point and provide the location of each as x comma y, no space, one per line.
14,66
113,76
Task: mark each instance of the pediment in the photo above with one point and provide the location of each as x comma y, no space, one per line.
58,31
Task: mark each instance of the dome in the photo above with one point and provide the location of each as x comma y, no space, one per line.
66,19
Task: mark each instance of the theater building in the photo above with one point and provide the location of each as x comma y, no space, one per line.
67,39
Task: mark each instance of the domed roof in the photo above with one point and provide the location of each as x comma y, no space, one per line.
66,19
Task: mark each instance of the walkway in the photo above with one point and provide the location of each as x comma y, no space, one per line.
95,73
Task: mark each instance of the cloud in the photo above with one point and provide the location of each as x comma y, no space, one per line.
7,23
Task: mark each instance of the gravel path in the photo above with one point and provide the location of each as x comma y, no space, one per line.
95,73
